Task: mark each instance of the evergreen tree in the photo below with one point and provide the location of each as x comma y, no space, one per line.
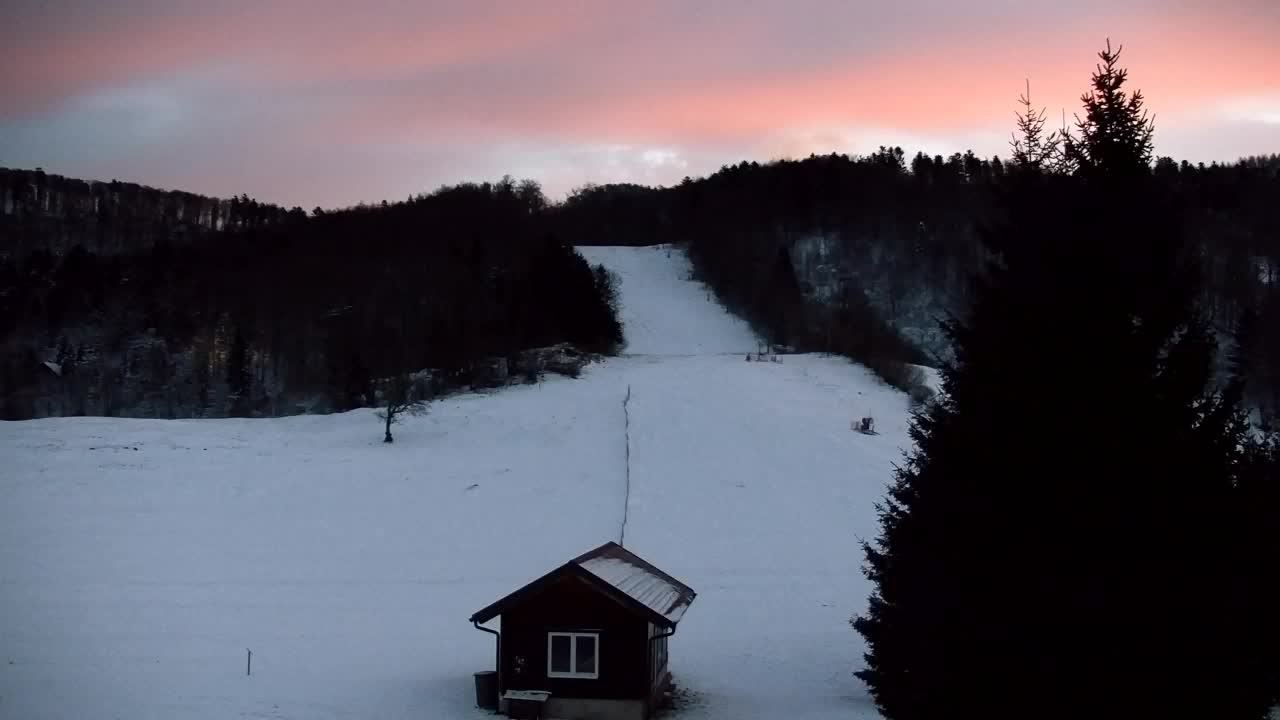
780,305
1059,543
1116,135
1253,622
239,376
1033,148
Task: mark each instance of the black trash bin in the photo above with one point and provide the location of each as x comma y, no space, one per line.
487,689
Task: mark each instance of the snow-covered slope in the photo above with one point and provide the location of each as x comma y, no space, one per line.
140,559
664,312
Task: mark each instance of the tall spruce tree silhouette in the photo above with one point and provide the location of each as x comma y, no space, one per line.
1060,541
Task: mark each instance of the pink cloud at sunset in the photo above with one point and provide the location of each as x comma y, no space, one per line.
325,103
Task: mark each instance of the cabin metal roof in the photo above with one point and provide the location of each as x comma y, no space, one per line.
618,573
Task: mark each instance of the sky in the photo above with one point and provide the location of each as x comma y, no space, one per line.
330,104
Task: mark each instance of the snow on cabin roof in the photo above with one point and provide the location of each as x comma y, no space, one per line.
617,572
639,580
649,590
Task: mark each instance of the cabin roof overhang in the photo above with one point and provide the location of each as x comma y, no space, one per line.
616,573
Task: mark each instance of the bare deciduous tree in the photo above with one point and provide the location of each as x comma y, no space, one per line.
400,397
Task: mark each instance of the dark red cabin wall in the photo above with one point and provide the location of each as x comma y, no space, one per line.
571,605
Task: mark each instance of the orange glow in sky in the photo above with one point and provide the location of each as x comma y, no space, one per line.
322,103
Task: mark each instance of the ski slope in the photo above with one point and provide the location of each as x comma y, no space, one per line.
664,312
140,559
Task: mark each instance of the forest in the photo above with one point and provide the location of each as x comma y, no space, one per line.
124,300
868,255
119,299
1085,523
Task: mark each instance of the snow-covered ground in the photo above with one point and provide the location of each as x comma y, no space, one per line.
139,559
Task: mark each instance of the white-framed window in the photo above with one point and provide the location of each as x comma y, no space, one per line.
573,655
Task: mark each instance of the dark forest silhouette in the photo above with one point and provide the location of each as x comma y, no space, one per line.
1086,526
883,246
125,300
168,304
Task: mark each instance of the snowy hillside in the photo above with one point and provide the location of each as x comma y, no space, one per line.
140,559
663,311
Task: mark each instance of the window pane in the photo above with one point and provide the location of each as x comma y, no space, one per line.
560,653
586,657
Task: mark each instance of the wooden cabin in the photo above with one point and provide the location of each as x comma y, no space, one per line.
591,634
